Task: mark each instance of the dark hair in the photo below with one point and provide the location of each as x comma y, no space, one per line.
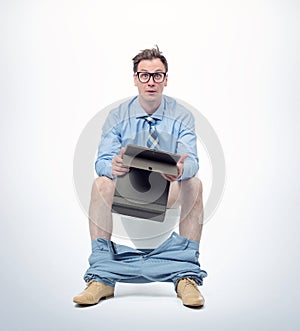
149,54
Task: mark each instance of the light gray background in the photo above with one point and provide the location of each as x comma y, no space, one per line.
238,63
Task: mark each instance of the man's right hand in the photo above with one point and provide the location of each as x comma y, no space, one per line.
117,167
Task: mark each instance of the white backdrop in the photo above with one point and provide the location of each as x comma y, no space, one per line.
237,62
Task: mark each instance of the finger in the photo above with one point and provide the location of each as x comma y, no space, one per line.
118,160
120,168
182,158
119,172
122,152
170,178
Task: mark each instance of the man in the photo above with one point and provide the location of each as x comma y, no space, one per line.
152,120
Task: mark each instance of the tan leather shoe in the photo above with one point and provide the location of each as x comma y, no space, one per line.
188,292
93,293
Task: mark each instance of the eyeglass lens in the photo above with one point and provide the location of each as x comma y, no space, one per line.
144,77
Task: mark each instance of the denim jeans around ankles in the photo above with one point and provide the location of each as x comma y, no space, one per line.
176,258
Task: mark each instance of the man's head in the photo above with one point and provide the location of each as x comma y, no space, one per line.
150,69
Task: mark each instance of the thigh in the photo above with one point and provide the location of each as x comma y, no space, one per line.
105,186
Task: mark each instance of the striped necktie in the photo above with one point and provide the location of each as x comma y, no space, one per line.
152,141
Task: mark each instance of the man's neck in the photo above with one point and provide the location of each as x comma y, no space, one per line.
150,107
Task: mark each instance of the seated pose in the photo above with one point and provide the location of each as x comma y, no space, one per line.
156,121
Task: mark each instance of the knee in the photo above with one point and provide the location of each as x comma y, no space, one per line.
199,185
194,184
104,186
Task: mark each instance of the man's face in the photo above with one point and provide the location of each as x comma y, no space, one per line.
150,91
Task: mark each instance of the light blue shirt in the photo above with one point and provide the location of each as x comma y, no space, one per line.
126,124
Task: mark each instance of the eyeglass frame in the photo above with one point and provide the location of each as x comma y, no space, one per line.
151,74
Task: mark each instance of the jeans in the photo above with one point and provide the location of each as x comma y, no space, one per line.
176,258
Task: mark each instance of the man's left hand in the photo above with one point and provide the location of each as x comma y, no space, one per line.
180,164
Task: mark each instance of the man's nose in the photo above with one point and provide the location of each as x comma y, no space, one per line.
151,81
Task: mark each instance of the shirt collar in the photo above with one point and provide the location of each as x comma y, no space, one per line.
140,112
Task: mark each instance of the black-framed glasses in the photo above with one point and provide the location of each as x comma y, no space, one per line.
145,76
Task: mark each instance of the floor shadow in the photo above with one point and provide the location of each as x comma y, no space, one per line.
76,305
141,294
195,308
142,290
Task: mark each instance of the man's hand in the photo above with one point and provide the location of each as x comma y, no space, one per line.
180,164
117,167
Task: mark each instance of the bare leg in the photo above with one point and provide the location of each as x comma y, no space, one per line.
191,217
100,216
189,194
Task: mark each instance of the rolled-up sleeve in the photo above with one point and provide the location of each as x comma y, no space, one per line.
109,146
187,143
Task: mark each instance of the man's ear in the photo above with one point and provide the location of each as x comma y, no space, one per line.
166,81
135,79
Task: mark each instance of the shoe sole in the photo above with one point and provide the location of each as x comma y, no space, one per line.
194,306
191,305
91,304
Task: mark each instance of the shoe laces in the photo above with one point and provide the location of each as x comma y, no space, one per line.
189,283
89,284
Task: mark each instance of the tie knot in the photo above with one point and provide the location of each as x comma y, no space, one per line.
151,121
